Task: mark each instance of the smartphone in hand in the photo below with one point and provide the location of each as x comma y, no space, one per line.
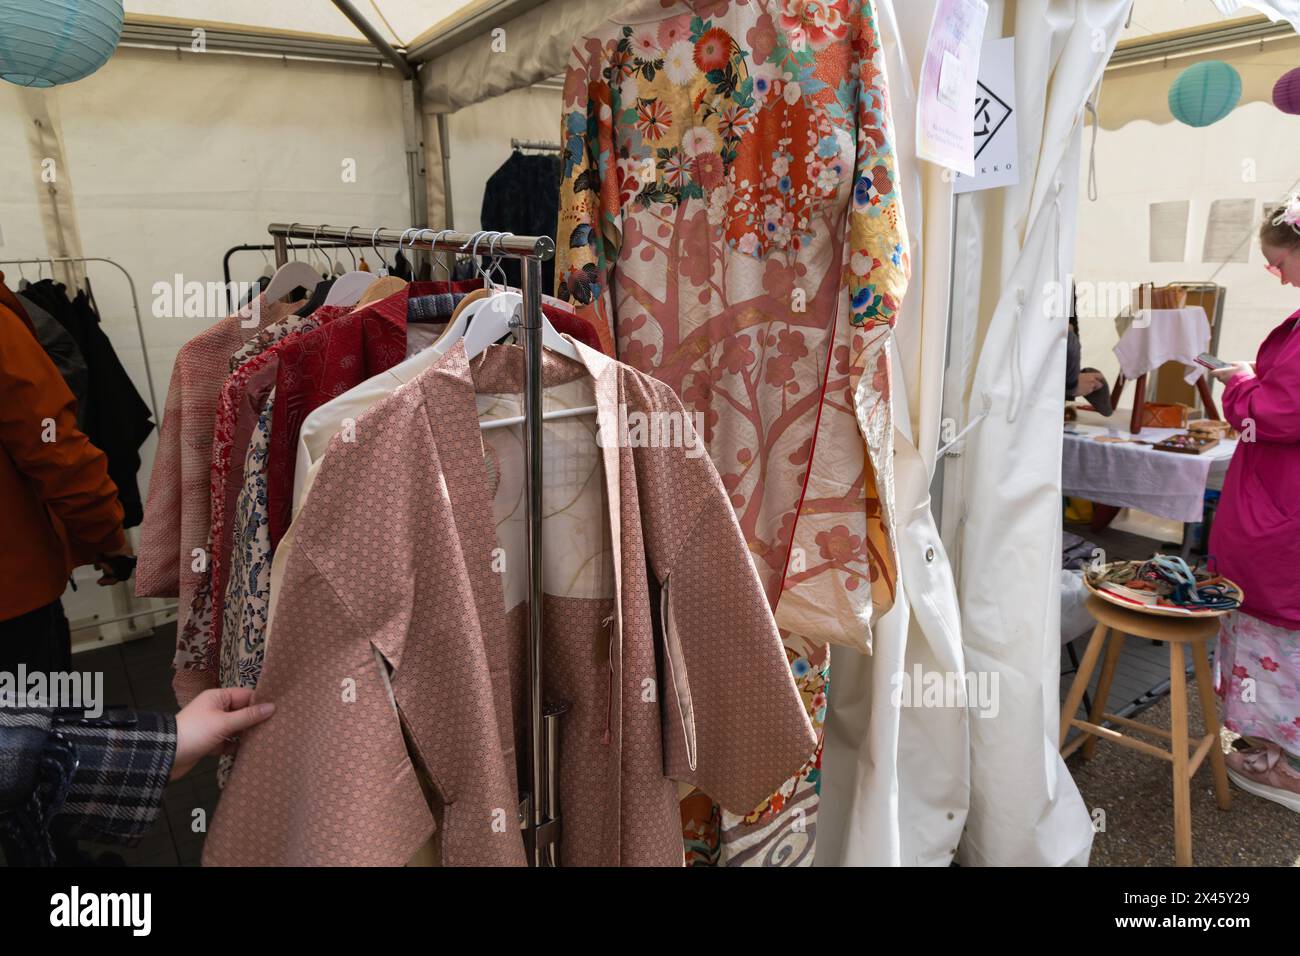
1212,362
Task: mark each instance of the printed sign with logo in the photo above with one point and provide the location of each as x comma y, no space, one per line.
997,138
944,132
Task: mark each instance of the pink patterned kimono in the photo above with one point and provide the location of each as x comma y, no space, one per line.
396,650
177,514
730,218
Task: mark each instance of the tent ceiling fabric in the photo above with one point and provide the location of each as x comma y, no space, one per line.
536,48
1161,16
401,21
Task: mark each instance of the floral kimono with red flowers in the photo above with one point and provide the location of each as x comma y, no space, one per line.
731,223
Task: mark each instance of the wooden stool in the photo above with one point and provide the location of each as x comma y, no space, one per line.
1177,632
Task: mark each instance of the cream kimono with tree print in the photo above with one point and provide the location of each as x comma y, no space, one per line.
731,221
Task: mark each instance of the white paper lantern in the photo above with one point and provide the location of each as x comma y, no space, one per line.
48,42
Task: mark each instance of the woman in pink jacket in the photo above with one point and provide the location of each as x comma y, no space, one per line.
1256,542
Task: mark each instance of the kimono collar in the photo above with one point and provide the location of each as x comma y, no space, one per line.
500,368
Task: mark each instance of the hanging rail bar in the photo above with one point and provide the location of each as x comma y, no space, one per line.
439,240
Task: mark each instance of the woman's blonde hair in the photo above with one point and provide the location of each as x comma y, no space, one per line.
1281,228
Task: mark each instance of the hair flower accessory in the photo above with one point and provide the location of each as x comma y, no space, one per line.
1289,214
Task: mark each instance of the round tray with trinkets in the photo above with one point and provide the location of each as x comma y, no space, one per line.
1155,586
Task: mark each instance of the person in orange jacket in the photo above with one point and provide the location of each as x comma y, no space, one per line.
58,507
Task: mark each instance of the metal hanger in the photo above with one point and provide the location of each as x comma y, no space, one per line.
502,313
291,275
383,262
351,286
433,252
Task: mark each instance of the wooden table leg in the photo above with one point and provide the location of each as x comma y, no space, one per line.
1103,689
1210,712
1081,678
1178,727
1139,405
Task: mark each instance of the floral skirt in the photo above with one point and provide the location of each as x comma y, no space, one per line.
1257,678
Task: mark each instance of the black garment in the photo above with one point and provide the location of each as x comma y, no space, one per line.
401,268
39,639
62,349
64,777
523,197
117,420
1073,359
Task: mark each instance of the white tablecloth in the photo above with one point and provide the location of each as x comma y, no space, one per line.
1157,336
1137,476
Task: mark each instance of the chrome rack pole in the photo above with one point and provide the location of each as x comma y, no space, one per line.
532,337
542,841
418,237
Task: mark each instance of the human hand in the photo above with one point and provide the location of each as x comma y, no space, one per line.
1089,382
115,571
211,722
1227,372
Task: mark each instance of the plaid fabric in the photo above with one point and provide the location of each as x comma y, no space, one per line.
123,765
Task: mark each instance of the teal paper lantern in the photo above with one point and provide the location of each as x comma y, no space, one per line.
47,42
1205,93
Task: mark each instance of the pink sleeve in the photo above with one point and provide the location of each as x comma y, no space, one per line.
157,570
327,780
734,723
1270,402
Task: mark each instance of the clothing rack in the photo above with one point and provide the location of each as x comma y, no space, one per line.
535,144
539,808
264,248
135,303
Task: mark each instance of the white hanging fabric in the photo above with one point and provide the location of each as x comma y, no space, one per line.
896,779
1002,496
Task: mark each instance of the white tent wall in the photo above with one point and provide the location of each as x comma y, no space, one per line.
1002,506
479,138
170,162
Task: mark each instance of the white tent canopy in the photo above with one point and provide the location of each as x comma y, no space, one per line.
401,21
168,156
